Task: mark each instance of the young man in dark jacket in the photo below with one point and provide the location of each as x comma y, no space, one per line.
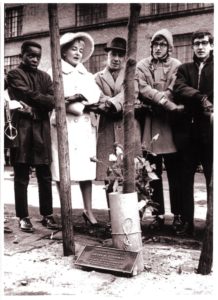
194,130
33,89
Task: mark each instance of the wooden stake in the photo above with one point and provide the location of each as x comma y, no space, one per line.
63,149
206,257
129,92
129,140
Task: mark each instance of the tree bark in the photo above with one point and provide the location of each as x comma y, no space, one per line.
129,94
129,193
206,257
62,135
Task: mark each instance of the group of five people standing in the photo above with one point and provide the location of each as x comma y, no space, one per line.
179,101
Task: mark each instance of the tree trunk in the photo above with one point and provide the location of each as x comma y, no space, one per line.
206,257
129,93
126,230
63,149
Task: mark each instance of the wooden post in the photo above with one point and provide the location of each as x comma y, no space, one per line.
206,257
63,149
129,93
131,222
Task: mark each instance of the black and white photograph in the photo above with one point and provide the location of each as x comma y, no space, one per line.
107,149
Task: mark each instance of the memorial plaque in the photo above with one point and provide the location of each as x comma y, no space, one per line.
110,259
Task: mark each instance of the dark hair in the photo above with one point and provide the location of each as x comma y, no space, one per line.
201,33
28,44
159,37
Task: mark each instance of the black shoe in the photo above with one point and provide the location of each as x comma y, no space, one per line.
87,220
187,228
157,223
7,230
49,222
26,225
177,223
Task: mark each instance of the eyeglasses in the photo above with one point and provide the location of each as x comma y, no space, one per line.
161,45
203,43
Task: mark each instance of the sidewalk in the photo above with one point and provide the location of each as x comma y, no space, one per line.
99,207
34,263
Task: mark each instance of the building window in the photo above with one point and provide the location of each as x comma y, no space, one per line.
13,21
87,14
162,8
98,59
11,62
183,48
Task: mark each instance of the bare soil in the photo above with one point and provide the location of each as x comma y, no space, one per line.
34,263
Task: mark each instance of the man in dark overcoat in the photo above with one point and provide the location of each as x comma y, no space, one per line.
194,130
33,89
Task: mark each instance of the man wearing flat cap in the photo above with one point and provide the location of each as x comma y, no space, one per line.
34,90
110,81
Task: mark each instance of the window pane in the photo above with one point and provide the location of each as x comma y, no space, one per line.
161,8
98,59
90,13
11,62
183,48
13,22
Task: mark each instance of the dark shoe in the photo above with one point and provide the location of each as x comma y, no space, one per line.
187,228
177,223
49,222
26,225
7,230
157,223
87,220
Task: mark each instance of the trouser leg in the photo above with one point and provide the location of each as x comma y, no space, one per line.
21,181
206,159
188,168
44,179
157,185
173,167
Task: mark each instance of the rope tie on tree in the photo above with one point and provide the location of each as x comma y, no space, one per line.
127,231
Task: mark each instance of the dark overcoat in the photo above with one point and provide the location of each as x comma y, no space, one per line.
110,129
33,87
190,86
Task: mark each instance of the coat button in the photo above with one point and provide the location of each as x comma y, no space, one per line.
76,120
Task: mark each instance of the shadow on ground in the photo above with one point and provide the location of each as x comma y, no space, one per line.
18,241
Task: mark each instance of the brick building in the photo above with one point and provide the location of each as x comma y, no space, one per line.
104,21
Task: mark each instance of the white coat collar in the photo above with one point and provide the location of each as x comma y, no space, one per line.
68,68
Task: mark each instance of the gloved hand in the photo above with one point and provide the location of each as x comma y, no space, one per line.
106,107
26,109
171,106
75,98
206,105
91,107
140,109
99,108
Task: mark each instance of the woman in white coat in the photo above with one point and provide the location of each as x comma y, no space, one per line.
80,90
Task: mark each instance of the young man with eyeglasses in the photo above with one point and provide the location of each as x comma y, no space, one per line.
155,77
194,130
